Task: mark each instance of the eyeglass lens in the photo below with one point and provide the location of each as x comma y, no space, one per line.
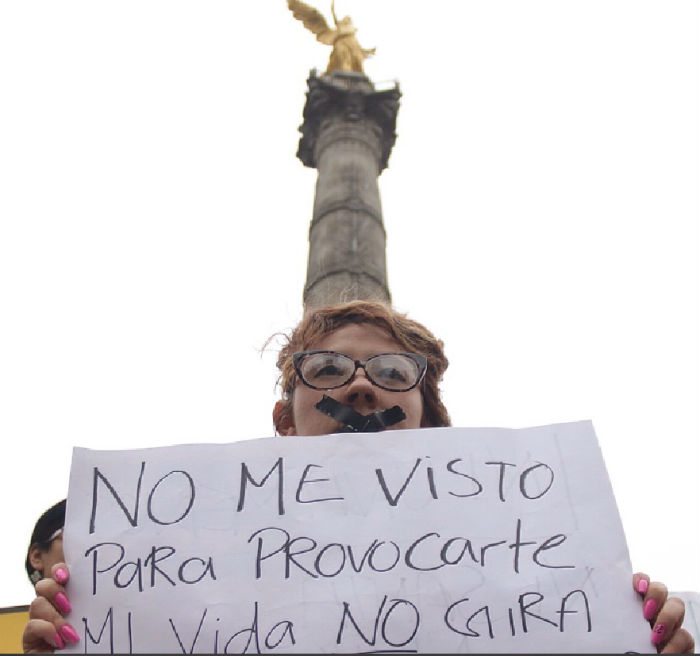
393,371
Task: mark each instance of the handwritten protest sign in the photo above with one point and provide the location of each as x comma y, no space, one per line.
448,539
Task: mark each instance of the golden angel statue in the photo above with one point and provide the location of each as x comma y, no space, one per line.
347,54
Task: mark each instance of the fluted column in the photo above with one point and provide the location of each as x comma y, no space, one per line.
347,135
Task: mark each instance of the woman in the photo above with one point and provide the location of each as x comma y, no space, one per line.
46,544
44,565
347,368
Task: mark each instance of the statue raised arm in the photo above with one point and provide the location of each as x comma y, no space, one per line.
347,54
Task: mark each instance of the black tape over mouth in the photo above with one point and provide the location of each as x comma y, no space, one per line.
355,422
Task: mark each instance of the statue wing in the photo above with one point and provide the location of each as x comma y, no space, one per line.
313,20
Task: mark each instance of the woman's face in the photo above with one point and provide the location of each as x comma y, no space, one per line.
43,561
359,341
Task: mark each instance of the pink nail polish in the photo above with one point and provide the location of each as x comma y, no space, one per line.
68,632
657,635
61,575
58,640
650,609
642,586
62,603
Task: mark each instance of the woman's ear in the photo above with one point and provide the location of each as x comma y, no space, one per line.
283,419
35,558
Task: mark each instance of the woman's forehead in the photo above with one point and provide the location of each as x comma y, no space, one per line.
359,340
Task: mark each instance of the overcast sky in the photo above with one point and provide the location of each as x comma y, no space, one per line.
541,206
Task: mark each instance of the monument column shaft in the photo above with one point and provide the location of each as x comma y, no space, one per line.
347,241
348,133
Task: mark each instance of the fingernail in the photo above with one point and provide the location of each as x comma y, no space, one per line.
657,635
642,586
61,575
62,603
650,609
68,632
59,641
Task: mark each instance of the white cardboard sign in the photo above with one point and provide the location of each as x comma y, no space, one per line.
432,540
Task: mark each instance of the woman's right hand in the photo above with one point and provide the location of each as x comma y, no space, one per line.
46,629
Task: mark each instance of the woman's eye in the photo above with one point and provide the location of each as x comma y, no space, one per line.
392,374
328,370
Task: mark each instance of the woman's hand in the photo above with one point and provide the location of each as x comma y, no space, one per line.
665,616
46,629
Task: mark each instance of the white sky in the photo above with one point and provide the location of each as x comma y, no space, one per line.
541,207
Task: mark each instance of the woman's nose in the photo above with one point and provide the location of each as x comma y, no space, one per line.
360,389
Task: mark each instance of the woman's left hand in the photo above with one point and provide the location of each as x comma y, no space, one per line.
665,616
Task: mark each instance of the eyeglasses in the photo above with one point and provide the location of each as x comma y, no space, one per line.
324,370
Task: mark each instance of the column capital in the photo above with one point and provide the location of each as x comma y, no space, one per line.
350,97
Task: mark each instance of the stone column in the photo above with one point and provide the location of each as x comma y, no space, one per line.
347,135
